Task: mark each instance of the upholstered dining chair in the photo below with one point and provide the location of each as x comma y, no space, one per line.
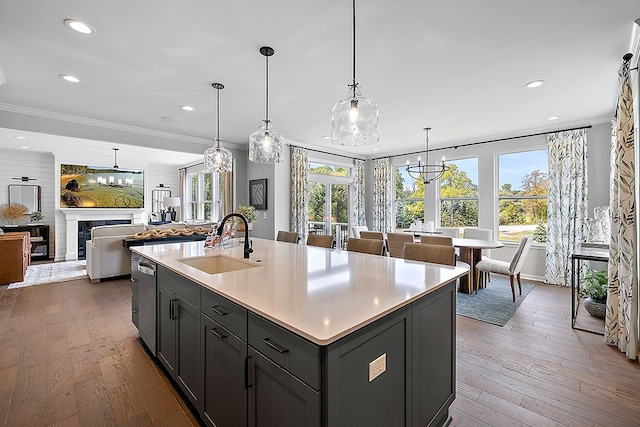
365,246
323,241
356,229
287,236
511,269
447,231
375,235
437,240
438,254
480,234
396,241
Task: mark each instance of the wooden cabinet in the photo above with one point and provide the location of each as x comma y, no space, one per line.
178,340
39,238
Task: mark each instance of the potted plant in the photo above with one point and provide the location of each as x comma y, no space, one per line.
249,212
595,289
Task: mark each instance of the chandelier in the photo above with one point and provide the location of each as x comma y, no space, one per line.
265,145
218,158
115,158
354,120
426,172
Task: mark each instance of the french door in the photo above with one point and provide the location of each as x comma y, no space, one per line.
329,210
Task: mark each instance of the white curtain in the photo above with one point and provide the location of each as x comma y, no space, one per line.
382,195
299,192
621,323
568,197
358,199
183,192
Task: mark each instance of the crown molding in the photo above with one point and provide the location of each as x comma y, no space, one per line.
108,125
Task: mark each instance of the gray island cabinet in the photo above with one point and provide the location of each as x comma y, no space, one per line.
305,336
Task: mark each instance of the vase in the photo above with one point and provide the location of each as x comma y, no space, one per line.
596,308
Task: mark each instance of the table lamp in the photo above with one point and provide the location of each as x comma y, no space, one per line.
170,203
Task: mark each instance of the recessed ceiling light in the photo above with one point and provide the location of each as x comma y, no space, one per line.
187,107
24,147
20,137
375,150
535,83
553,118
170,119
326,137
69,78
78,26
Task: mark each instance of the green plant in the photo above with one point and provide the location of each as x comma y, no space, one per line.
595,285
249,212
36,216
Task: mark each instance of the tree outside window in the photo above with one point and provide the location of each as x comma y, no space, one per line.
409,201
522,196
459,194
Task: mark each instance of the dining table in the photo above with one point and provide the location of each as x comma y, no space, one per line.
471,253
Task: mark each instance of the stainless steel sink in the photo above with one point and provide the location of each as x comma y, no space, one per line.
216,264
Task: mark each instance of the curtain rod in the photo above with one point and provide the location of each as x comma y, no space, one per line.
455,147
326,152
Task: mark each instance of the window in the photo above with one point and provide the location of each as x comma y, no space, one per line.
522,195
329,187
459,194
201,188
409,199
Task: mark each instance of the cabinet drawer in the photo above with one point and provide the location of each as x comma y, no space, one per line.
181,286
227,313
293,353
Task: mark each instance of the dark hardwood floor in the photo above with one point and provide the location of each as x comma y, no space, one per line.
69,355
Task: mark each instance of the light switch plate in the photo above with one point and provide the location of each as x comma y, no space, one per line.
377,367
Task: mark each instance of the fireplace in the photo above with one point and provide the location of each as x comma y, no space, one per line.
84,232
68,231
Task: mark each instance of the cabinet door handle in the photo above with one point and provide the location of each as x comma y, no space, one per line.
217,333
174,309
246,372
219,310
277,347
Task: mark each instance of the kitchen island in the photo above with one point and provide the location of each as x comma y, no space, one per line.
304,336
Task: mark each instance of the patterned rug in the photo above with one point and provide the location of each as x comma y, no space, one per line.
493,304
41,274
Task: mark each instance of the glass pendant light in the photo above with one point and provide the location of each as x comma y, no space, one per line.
354,120
426,172
265,144
218,158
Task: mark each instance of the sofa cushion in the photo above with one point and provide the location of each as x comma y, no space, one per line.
117,230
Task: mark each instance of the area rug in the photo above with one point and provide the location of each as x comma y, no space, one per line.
493,304
41,274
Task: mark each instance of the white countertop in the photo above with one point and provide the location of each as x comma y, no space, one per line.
320,294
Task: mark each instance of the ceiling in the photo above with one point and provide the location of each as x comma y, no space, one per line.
458,66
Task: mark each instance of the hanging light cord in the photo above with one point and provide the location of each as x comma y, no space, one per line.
426,152
266,102
354,49
218,116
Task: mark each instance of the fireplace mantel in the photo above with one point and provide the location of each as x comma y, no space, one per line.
73,215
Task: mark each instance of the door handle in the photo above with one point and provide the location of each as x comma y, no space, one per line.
173,309
277,347
217,333
219,310
246,372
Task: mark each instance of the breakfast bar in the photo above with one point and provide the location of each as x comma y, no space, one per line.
301,336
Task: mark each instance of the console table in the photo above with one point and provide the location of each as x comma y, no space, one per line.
39,238
584,252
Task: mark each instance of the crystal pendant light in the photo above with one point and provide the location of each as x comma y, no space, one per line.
265,145
354,120
424,171
218,158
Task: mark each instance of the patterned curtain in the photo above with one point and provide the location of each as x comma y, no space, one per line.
382,195
299,192
358,216
621,323
568,197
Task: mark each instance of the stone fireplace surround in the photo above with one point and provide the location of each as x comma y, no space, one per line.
73,215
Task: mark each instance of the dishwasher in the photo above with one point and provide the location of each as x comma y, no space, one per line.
143,278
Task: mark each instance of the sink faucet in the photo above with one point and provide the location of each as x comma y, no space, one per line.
247,248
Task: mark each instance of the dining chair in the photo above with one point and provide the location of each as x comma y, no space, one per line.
448,231
437,240
287,236
396,241
438,254
375,235
365,246
511,269
356,229
323,241
480,234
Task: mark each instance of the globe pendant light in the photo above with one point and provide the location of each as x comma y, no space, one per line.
354,120
265,145
424,171
218,158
